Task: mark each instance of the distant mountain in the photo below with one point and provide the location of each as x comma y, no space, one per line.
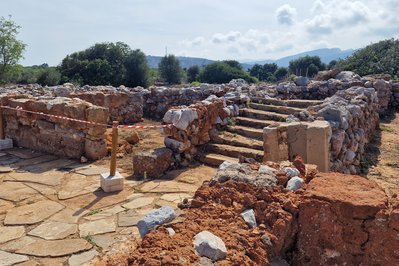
185,62
326,55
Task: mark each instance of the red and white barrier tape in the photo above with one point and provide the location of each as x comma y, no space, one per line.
19,109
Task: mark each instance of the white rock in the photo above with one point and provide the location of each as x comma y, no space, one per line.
291,172
295,183
249,217
208,245
266,169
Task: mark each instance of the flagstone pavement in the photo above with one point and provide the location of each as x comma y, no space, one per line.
53,212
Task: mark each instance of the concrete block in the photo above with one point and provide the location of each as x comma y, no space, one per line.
318,143
111,183
270,143
5,144
297,140
160,216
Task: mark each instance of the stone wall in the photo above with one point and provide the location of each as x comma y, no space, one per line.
53,135
353,116
191,126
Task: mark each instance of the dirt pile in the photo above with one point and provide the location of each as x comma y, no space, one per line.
217,209
346,220
334,220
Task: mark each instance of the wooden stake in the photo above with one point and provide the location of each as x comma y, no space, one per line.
114,150
2,135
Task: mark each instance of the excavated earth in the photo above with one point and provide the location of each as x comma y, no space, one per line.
335,219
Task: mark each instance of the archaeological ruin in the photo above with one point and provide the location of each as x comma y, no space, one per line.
286,183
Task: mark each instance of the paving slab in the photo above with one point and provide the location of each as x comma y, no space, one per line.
44,189
162,186
8,159
55,248
36,160
5,206
68,215
24,153
97,227
78,185
129,218
32,213
2,154
7,259
91,170
52,178
15,191
28,263
19,243
106,240
176,197
79,259
48,166
105,213
162,203
51,230
5,169
138,203
8,233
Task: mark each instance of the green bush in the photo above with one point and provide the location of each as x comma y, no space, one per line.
377,58
224,72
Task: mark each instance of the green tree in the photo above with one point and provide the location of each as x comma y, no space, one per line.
265,72
233,64
223,72
302,65
257,71
11,49
106,64
137,70
281,73
170,70
49,76
332,64
192,73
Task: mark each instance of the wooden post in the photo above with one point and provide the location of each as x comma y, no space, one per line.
2,135
114,150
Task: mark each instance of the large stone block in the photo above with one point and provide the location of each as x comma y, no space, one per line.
297,141
318,145
153,163
95,149
270,143
155,218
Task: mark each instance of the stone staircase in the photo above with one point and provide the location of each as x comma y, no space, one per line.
245,138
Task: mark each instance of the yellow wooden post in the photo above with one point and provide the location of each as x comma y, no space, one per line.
2,135
114,150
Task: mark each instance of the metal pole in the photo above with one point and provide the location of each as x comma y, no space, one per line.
2,135
114,150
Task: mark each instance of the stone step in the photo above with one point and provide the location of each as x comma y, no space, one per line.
262,115
277,109
249,132
252,122
290,103
216,159
238,140
232,151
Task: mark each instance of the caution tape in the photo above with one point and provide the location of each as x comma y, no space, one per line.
19,109
144,127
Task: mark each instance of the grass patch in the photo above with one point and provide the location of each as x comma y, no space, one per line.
92,212
387,129
89,238
231,121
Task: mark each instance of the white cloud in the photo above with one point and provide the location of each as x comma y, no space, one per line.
285,14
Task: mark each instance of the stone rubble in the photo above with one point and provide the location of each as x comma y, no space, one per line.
208,245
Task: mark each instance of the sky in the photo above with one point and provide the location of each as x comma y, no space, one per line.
213,29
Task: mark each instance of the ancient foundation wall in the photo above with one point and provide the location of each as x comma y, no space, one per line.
354,116
126,108
310,140
191,126
53,135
